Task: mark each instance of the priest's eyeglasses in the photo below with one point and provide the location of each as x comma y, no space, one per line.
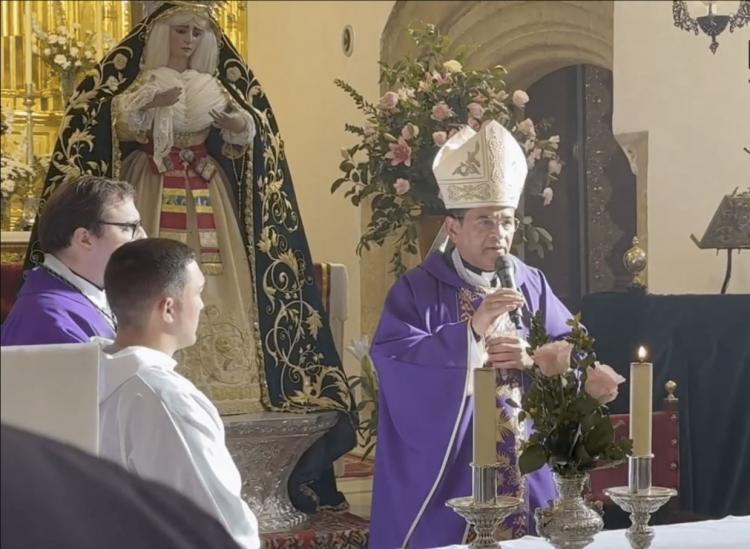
491,224
132,226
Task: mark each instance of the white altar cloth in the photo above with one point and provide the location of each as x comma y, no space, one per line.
727,533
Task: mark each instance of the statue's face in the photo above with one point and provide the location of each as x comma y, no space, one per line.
184,39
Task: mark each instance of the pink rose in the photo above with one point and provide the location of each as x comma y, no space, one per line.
548,194
441,111
537,153
389,101
474,124
439,138
409,131
602,382
520,98
553,358
401,186
399,153
475,110
554,167
479,98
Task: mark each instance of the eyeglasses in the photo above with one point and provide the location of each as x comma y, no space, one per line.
491,224
132,226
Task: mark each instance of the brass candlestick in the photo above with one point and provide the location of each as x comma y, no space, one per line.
484,510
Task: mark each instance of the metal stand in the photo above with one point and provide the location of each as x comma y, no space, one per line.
484,509
640,499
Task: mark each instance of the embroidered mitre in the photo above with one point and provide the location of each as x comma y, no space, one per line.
479,169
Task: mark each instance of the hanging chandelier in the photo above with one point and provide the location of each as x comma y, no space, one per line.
711,24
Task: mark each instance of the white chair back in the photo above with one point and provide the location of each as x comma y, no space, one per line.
52,390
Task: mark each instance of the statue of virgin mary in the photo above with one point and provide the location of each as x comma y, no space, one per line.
174,110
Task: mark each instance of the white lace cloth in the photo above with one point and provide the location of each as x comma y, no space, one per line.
201,93
727,533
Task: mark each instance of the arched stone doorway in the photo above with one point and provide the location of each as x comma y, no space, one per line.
531,39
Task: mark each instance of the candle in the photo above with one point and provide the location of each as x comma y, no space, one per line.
100,29
485,406
27,44
641,381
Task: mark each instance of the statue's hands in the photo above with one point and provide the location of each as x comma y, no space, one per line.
501,301
165,99
228,121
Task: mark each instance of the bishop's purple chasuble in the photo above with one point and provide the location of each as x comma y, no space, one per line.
47,310
424,445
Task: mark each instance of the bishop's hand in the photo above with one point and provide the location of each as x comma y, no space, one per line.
508,352
502,301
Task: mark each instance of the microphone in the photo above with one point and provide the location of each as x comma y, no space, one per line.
506,274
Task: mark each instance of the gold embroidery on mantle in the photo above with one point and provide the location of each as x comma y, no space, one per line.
220,365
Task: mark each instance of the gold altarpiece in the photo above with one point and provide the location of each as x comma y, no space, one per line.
43,102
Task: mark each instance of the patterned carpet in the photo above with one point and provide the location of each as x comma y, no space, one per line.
326,530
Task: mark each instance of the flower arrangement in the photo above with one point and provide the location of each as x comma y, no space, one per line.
368,401
65,54
12,168
16,174
567,405
431,98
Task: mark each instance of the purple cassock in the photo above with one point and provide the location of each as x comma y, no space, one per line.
424,445
47,310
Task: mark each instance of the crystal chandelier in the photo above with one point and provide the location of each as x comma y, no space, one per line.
711,24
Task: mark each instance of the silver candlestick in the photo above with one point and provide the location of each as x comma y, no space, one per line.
484,509
640,499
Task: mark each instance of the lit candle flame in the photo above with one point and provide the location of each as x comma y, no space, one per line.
641,353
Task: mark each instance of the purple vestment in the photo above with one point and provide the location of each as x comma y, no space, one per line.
47,310
420,353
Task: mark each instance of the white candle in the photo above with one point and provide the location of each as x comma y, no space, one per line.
641,382
100,29
27,43
485,409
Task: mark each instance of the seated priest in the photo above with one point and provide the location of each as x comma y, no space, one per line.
55,495
153,421
63,300
441,320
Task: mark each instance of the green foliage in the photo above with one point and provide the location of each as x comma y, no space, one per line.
572,431
367,406
401,188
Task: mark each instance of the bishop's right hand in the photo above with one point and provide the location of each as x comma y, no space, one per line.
501,301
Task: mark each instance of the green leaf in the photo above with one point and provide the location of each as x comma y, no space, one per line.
532,458
336,184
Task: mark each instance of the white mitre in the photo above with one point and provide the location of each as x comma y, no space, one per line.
480,169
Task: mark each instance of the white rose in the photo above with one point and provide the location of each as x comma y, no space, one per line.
452,66
74,51
8,186
60,59
78,63
47,51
